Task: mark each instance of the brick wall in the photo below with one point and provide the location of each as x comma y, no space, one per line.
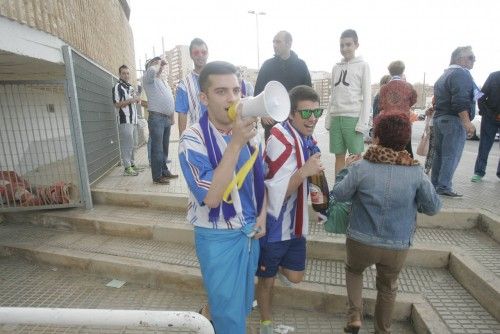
99,29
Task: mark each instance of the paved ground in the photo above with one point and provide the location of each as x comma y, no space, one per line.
484,195
27,285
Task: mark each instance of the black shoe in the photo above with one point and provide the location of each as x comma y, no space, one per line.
161,180
169,175
450,194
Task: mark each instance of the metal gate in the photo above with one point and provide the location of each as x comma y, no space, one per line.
57,137
38,168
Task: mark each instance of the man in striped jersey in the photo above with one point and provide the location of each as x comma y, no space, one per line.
211,151
291,156
125,100
187,95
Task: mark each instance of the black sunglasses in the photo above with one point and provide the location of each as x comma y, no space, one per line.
306,113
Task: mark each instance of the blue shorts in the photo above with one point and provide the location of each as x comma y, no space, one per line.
289,254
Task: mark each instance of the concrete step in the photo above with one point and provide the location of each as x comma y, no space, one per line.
431,297
170,225
447,218
26,284
431,249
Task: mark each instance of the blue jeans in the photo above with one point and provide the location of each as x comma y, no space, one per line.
159,130
489,128
449,136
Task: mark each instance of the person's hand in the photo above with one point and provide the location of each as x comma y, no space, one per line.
137,100
172,119
244,128
352,158
429,111
470,129
313,165
260,226
267,121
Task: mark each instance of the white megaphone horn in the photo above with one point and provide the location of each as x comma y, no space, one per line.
273,102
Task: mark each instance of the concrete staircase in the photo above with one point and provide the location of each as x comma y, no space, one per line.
450,283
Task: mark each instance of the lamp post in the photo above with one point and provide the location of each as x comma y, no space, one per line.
253,12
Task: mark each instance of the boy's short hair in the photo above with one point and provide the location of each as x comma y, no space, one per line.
217,68
196,41
350,33
123,67
397,67
302,93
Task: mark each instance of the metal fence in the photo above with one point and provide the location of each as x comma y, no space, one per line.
57,137
93,89
37,158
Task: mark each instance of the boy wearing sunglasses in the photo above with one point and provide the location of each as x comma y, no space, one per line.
290,159
187,95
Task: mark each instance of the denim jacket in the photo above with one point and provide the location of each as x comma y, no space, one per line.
385,200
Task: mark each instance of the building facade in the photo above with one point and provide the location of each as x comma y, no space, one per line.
98,29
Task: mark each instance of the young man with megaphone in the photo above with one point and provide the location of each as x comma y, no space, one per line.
291,157
222,163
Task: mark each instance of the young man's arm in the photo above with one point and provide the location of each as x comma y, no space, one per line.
181,107
312,167
119,98
243,131
366,109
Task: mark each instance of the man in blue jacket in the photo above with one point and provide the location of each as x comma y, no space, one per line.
455,94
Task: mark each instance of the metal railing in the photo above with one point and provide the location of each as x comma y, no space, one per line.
106,318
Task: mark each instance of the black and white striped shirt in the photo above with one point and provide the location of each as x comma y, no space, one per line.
123,91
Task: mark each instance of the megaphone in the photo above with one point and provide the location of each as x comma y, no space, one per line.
273,102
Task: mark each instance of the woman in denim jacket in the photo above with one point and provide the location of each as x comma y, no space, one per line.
387,188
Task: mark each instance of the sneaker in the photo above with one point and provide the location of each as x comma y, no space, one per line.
129,171
137,168
476,178
266,327
450,194
169,175
161,180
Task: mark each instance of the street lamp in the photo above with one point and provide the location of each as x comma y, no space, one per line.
253,12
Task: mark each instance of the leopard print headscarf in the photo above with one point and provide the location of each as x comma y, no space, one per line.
384,155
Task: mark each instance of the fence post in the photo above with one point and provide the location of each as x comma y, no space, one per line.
76,128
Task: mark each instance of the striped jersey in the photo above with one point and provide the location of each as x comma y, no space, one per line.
123,91
198,173
280,164
187,98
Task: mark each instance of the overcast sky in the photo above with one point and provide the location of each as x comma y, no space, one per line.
422,33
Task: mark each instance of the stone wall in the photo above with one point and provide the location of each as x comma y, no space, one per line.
99,29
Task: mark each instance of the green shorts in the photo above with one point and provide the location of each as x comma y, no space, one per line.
343,136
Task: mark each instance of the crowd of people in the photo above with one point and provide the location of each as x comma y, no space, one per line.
248,199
